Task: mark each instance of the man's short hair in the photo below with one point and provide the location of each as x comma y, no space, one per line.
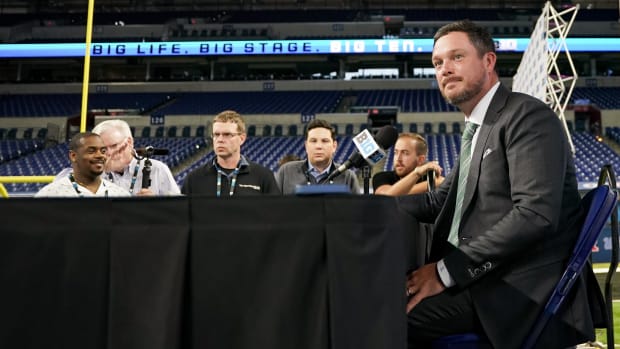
231,116
118,125
76,140
478,35
421,147
320,123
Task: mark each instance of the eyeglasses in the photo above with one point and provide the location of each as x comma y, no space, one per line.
225,135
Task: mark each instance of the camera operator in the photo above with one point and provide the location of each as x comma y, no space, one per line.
125,169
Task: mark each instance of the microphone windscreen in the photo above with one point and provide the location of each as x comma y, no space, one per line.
386,136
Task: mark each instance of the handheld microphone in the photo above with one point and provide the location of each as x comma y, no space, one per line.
369,150
430,179
150,151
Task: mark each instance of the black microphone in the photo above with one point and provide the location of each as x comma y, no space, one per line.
150,151
430,180
385,138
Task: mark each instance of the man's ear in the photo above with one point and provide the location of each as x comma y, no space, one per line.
72,156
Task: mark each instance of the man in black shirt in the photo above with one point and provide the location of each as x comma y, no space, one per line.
230,173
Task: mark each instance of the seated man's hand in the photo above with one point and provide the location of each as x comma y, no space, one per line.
421,283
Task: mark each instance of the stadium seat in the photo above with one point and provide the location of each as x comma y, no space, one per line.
456,127
442,127
146,132
428,128
2,133
413,127
599,204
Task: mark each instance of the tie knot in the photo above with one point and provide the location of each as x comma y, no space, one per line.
470,129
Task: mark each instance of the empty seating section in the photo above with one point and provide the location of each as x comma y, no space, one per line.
268,102
429,100
275,102
591,155
14,148
603,97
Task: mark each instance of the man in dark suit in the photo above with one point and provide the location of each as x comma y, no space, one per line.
497,254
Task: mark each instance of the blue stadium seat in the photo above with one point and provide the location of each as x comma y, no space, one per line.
413,127
146,132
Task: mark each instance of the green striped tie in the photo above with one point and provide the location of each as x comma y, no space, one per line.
464,161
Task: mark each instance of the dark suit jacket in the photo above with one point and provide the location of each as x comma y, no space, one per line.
520,220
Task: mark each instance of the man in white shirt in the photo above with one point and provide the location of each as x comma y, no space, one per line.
87,154
125,170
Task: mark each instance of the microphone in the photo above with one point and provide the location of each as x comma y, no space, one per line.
369,150
150,151
430,180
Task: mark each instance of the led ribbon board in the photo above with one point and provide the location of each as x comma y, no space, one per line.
274,47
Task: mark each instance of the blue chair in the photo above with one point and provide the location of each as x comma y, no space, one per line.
600,203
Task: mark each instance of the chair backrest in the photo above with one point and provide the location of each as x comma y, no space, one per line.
599,203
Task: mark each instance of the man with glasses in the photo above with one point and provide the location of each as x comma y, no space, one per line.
230,173
124,169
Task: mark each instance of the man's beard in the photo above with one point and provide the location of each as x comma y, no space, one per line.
466,95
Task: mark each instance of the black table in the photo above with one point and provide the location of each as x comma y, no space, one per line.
264,272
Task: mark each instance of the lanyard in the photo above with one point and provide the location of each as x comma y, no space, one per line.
233,180
134,177
75,186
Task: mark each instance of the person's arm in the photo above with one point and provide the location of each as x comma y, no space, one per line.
422,187
409,184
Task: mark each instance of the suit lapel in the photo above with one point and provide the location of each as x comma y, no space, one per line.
493,113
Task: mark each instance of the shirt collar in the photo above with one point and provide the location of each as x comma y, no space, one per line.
314,172
480,110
